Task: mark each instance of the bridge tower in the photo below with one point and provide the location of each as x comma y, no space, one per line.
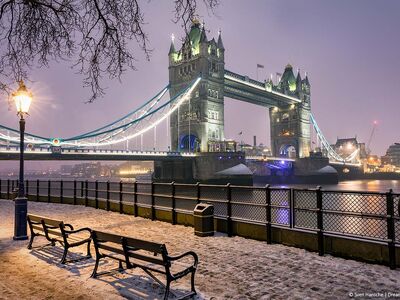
290,123
201,120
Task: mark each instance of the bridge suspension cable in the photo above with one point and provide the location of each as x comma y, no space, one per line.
145,123
142,110
326,145
132,125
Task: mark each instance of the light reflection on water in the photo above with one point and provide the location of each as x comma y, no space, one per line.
353,185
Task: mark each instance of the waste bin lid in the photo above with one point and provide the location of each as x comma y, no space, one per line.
202,206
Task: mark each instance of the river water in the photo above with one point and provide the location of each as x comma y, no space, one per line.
369,185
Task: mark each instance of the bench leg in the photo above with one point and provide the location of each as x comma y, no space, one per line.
31,241
64,257
167,290
88,250
192,282
96,265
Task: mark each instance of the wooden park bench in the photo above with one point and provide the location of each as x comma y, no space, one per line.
56,231
150,257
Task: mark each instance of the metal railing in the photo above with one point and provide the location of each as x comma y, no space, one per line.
366,216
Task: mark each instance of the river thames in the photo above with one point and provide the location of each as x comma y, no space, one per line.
369,185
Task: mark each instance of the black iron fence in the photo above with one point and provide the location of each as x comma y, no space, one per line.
366,216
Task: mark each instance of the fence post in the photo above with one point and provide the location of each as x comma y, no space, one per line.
48,190
294,209
12,186
153,211
61,191
135,213
198,192
96,194
37,190
86,193
229,209
75,192
0,188
108,196
173,202
320,222
26,188
120,198
291,207
82,188
268,213
8,188
391,229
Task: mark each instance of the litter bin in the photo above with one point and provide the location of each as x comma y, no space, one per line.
203,215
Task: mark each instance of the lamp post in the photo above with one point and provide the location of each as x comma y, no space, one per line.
22,98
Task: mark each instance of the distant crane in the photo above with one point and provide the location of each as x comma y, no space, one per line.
375,124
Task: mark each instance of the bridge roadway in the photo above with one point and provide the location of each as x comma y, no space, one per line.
12,153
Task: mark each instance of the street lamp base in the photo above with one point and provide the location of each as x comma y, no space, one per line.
20,228
20,238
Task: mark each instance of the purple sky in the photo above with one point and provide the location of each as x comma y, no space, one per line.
350,49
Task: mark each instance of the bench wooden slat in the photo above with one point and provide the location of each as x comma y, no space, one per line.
150,259
37,227
145,245
108,237
111,249
47,221
54,232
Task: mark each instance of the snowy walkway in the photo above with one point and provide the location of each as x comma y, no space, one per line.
230,268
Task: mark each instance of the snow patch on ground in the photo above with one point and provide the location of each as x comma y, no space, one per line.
229,268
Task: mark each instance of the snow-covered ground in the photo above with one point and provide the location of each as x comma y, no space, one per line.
229,268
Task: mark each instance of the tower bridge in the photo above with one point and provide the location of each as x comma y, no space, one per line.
189,110
288,101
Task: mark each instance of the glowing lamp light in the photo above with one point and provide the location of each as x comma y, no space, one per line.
23,99
56,142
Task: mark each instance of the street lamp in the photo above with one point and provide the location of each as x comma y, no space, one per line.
22,98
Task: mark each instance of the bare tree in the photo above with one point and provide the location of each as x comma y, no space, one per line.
92,34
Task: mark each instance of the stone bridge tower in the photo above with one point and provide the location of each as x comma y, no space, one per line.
201,120
290,123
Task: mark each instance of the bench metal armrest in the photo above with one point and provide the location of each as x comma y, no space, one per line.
190,269
79,230
69,225
189,253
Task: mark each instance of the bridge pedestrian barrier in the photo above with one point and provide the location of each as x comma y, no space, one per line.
360,225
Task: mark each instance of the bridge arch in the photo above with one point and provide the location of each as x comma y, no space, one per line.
288,150
189,142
